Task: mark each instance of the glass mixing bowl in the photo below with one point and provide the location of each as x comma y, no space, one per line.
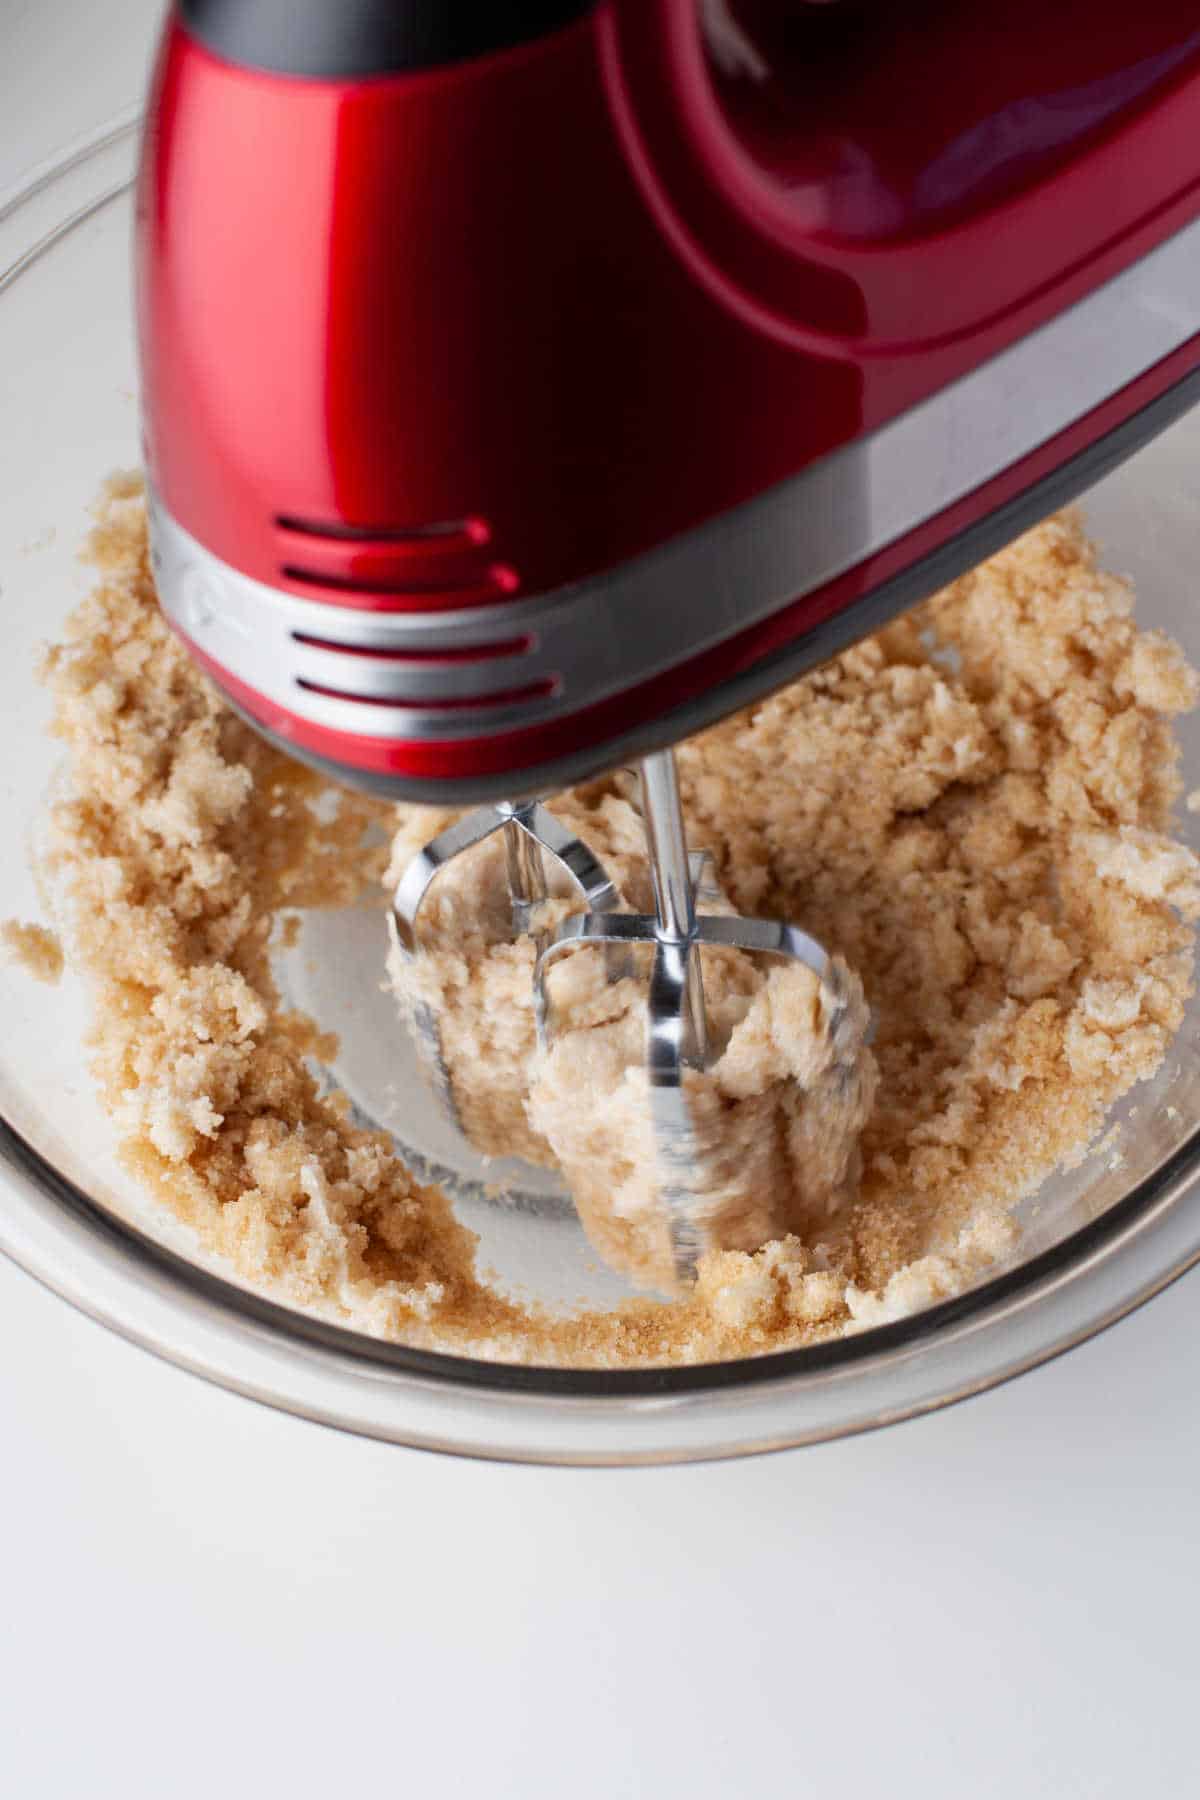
1100,1240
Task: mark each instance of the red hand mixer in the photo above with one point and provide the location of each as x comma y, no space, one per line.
527,385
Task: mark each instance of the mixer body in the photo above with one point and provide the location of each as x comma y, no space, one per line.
515,407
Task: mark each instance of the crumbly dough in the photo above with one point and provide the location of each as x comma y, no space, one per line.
775,1118
972,808
36,948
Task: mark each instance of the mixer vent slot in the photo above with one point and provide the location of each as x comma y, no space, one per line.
542,689
473,531
495,582
459,653
447,563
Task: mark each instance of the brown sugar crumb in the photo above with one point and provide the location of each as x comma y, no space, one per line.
35,948
971,808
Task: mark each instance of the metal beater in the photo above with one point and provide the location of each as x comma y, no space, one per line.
677,1035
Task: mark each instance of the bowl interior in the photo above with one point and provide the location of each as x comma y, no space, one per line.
69,410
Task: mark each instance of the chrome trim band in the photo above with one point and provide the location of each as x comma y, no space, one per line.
606,635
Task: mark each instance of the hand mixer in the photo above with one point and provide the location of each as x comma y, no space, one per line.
527,385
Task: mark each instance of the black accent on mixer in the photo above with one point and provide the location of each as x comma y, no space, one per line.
352,38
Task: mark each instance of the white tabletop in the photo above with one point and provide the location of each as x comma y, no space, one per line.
203,1597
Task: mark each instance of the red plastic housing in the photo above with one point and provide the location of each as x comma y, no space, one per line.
429,341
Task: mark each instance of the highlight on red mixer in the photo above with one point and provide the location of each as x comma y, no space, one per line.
529,384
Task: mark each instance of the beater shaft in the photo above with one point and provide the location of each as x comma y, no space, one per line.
674,894
526,873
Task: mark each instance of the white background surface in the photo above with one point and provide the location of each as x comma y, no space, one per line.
203,1597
